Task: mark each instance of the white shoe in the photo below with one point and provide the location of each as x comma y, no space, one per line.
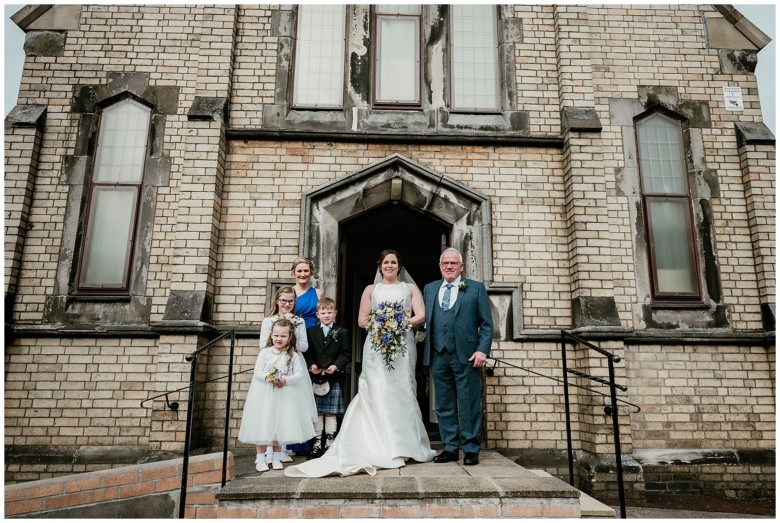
286,458
262,466
277,465
269,456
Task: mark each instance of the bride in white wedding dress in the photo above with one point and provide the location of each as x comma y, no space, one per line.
382,427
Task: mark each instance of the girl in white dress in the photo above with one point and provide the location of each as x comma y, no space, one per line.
280,406
382,427
282,306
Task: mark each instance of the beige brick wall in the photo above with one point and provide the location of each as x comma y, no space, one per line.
73,391
254,77
702,396
66,391
261,213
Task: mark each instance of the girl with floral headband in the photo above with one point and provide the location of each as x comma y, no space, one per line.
280,406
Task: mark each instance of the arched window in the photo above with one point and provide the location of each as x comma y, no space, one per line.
115,191
667,208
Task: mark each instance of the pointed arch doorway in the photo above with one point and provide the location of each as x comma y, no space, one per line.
419,238
393,203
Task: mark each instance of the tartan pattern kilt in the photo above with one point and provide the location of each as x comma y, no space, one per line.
332,402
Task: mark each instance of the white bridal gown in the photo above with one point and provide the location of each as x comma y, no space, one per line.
383,426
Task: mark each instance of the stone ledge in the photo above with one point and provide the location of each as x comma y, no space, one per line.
496,478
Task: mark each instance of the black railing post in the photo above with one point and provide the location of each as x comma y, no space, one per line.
187,436
616,437
227,408
568,409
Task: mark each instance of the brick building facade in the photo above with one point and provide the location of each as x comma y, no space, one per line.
598,183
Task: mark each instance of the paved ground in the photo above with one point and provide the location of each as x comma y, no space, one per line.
659,513
678,506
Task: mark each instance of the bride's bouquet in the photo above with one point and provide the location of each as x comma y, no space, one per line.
387,328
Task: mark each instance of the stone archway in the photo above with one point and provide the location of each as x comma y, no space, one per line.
395,179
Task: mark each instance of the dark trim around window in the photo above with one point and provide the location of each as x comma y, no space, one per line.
86,245
375,53
649,197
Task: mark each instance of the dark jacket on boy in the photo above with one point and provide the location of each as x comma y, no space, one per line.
325,351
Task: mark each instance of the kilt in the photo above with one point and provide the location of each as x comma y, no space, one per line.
332,402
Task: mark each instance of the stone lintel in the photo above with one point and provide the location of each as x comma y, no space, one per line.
594,311
27,116
44,43
580,119
188,306
213,108
753,133
76,454
737,61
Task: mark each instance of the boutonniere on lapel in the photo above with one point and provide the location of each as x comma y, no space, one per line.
333,335
462,286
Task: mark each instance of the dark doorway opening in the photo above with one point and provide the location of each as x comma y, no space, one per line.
420,239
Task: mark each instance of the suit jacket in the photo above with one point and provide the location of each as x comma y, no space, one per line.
473,320
335,350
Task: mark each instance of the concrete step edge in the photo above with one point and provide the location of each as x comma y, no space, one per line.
589,507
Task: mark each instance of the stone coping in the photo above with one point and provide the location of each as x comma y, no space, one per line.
495,477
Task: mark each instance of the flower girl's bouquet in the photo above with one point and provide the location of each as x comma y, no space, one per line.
387,328
274,376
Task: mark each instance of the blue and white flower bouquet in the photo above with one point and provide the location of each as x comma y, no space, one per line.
387,327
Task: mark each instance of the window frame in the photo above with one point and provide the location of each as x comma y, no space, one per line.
684,195
375,56
296,58
451,67
86,246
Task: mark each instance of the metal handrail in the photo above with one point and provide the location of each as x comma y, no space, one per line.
613,409
193,359
175,405
491,371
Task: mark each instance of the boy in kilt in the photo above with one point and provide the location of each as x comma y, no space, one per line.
328,355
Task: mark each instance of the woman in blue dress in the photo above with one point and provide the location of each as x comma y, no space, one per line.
306,298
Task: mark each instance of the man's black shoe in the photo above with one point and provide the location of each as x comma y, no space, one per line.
471,458
445,456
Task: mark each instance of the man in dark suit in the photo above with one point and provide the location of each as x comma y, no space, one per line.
459,330
327,357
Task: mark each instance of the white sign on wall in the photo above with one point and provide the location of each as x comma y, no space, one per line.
732,96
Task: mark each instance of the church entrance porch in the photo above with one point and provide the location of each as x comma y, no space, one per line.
419,238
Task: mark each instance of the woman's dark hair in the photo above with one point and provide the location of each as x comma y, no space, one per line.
383,255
